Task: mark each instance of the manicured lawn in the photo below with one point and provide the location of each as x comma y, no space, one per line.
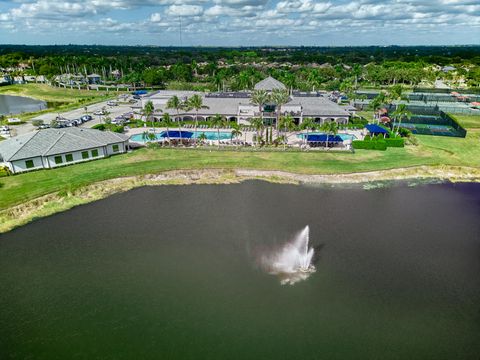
468,121
432,150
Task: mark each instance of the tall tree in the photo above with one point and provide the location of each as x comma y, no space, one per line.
236,133
280,98
218,121
166,120
400,113
260,98
287,124
257,123
307,124
330,128
196,103
148,110
175,103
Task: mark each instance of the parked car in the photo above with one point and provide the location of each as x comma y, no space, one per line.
43,126
86,118
98,112
4,128
112,103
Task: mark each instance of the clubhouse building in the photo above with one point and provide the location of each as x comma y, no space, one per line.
51,148
236,106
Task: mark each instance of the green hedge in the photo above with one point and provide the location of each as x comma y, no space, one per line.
395,142
378,143
111,127
4,171
369,145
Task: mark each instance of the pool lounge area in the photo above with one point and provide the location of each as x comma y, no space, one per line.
176,134
344,137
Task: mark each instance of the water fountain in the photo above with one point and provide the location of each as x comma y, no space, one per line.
293,261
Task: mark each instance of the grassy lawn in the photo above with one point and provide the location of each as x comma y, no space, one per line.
60,99
432,150
468,121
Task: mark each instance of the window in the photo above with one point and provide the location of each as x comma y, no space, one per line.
29,164
115,148
58,159
69,158
84,154
95,153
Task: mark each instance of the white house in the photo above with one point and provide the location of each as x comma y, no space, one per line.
50,148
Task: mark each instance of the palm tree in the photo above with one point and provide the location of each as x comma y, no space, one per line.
236,133
196,103
307,124
287,124
146,136
148,111
330,128
202,137
218,121
175,103
401,112
243,80
167,120
257,123
260,98
280,98
378,102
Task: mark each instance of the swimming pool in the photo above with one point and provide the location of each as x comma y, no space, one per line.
343,136
210,135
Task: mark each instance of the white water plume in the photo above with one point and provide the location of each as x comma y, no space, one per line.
293,261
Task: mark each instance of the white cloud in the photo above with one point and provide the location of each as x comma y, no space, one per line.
184,10
240,21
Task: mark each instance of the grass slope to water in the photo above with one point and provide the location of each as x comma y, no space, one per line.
431,151
69,98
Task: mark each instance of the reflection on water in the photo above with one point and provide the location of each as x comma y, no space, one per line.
169,272
18,104
292,262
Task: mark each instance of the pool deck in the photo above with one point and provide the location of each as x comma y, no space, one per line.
247,136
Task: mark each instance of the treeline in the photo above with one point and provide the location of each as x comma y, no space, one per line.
303,68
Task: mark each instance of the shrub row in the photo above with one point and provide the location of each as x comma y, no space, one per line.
378,143
395,142
369,144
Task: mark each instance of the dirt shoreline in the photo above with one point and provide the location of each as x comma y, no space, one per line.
56,202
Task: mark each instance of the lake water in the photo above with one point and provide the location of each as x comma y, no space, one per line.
18,104
172,273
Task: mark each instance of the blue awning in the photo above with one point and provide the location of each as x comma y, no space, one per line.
323,138
175,134
375,129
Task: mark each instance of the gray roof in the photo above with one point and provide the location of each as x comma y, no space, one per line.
269,84
229,106
56,141
222,106
318,106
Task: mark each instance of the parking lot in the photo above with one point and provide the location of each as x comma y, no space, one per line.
68,116
93,110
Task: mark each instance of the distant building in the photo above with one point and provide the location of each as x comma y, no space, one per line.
94,79
270,84
5,79
50,148
116,74
446,69
236,106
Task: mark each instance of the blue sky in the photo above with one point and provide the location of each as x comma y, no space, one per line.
240,22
